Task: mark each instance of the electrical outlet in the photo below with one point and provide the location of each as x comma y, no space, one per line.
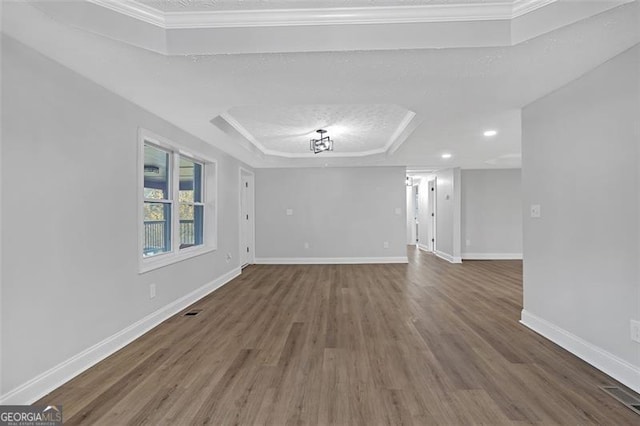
535,210
386,244
635,331
468,243
398,210
152,291
289,212
306,245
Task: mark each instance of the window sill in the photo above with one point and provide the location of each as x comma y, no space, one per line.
162,260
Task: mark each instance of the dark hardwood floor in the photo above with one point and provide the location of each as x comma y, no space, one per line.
425,343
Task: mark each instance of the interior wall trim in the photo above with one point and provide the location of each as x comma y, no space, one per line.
424,248
55,377
396,140
491,11
329,260
491,256
448,257
619,369
522,7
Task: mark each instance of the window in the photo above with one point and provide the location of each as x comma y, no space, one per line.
177,199
157,201
191,203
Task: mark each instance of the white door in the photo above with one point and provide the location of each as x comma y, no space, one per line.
246,220
411,220
416,213
432,213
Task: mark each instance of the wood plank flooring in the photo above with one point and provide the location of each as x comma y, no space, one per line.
425,343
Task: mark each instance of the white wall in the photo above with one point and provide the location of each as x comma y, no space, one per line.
342,213
491,214
70,250
1,125
448,213
581,165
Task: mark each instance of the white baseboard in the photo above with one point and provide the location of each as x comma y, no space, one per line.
55,377
448,257
492,256
424,248
328,260
621,370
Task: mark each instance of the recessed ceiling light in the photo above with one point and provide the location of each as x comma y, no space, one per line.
446,155
489,133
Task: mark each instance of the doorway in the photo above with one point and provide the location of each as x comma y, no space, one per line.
247,220
421,210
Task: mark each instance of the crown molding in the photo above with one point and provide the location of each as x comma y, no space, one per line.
408,117
266,151
134,9
522,7
244,132
323,16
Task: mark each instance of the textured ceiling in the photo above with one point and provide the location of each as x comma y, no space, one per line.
209,5
288,129
455,93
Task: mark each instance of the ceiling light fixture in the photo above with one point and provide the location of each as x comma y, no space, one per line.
445,156
324,143
489,133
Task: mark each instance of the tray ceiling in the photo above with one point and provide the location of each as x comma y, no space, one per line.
203,27
357,130
456,93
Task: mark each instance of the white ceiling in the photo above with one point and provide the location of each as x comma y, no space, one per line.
286,131
196,27
456,93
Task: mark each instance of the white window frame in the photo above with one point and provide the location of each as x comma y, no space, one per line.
204,196
209,194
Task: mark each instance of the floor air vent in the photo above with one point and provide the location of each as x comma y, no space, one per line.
624,397
193,313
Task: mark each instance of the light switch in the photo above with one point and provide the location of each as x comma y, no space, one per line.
535,210
289,212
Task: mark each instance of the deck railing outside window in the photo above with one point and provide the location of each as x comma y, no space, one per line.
154,235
